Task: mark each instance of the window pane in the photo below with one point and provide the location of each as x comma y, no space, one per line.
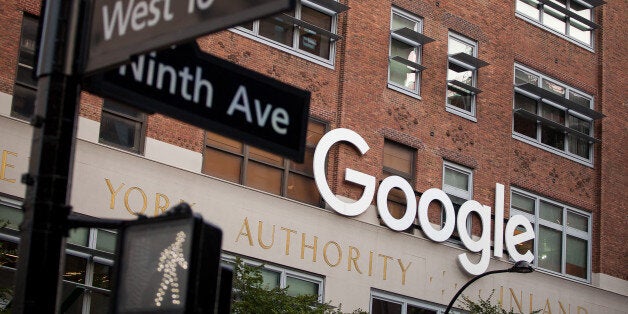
551,212
222,165
555,114
528,8
26,76
552,136
579,99
277,29
23,104
264,156
9,254
100,303
263,177
74,296
401,74
106,241
7,283
75,269
577,221
302,188
456,179
120,131
307,166
577,257
11,216
523,203
399,22
223,142
384,307
553,87
79,236
456,46
522,77
554,19
315,131
122,109
417,310
102,276
301,287
522,124
399,158
309,40
270,279
28,41
550,249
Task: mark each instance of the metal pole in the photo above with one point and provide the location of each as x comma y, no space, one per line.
42,239
453,300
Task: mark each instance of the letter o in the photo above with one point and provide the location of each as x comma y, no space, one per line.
126,201
382,203
325,253
443,234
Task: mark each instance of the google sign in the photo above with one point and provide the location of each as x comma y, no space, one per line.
481,245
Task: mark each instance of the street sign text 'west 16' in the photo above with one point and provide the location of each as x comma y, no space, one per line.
120,29
214,94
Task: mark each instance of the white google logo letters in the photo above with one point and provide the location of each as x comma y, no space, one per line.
481,245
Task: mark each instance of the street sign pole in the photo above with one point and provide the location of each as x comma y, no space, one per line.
42,239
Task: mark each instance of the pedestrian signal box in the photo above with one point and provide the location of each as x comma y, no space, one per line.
167,264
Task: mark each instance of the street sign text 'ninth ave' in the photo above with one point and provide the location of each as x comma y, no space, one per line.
119,29
214,94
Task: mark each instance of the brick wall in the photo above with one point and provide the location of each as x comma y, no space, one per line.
353,94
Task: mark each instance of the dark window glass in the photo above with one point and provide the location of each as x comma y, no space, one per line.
277,28
122,126
24,93
75,269
309,40
384,307
231,160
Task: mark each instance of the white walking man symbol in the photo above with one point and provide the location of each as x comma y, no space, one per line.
170,258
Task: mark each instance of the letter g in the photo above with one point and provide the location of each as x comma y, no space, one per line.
322,149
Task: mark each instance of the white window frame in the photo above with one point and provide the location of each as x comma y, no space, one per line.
539,22
544,102
294,49
284,273
404,302
418,50
456,192
471,115
565,230
89,253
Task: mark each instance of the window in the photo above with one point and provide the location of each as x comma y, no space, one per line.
296,283
88,263
406,40
553,116
398,160
309,29
384,303
570,18
562,241
240,163
25,88
458,184
122,126
462,74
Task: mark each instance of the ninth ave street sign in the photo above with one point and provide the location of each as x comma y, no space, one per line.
122,28
214,94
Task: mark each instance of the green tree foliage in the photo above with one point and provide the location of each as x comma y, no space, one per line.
250,296
484,306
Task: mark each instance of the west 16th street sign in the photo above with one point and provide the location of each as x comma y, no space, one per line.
213,94
122,28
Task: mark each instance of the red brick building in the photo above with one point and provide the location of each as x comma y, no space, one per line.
454,95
